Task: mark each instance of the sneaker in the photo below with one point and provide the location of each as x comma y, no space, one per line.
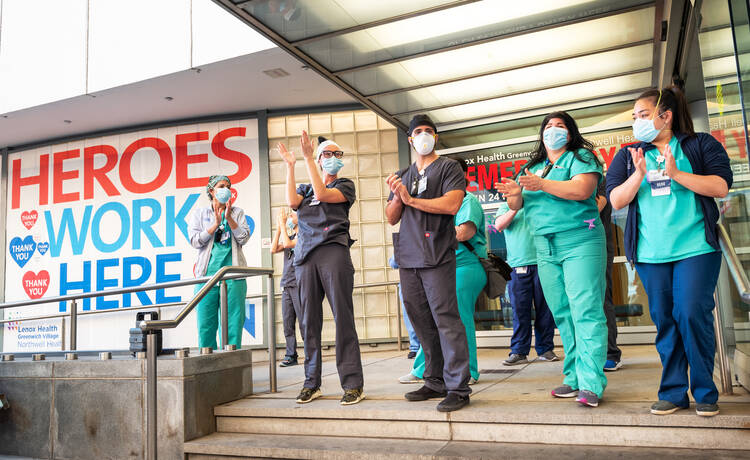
411,355
352,397
308,394
410,378
664,408
707,410
473,381
453,402
587,398
515,359
611,365
564,391
423,394
548,356
288,361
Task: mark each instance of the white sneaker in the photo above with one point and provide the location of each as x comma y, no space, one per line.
410,378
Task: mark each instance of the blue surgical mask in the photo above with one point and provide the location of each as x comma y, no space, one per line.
332,165
223,195
644,129
290,224
555,137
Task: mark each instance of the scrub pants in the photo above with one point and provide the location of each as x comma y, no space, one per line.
413,339
571,268
525,289
208,314
681,303
291,309
431,303
328,271
470,280
613,351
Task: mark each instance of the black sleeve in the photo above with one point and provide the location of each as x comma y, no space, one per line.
346,187
304,189
452,178
715,158
617,173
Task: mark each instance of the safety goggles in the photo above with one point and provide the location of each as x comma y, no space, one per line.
334,153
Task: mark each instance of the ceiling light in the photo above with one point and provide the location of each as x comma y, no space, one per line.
169,98
67,122
276,73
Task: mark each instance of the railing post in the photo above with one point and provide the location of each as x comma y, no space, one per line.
151,395
271,335
725,374
73,325
398,314
224,314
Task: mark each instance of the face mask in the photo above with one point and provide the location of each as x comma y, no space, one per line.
332,165
644,130
223,195
290,224
424,143
555,137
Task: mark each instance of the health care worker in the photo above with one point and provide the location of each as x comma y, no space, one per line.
670,180
425,197
525,289
558,190
291,308
470,278
323,264
218,233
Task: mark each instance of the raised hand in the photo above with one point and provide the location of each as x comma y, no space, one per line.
531,181
638,160
670,165
286,155
508,187
307,148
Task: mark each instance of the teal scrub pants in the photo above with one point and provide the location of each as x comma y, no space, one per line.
208,314
470,280
572,272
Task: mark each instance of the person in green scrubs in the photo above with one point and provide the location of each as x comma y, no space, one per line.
219,232
557,190
470,278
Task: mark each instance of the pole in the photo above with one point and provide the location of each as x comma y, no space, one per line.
725,373
151,394
224,314
73,325
271,335
398,314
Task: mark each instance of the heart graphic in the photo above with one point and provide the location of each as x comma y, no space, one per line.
22,249
251,224
35,284
28,219
42,248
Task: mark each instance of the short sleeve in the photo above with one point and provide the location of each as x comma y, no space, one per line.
304,189
346,187
452,178
502,209
588,164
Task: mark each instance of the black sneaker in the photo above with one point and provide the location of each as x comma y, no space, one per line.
411,355
423,394
515,359
308,394
352,397
664,408
289,361
707,410
453,402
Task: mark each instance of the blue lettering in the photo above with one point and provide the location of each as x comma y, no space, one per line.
162,277
139,225
129,281
77,239
124,227
67,286
104,283
178,220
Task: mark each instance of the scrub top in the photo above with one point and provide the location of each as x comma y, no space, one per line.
425,239
471,211
287,276
670,226
519,242
322,223
547,213
221,253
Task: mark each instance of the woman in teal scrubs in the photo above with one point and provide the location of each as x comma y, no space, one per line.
219,232
670,181
470,278
557,190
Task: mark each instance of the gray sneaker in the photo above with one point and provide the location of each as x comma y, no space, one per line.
515,359
707,410
587,398
664,408
548,356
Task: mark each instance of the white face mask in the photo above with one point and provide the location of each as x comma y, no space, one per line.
424,143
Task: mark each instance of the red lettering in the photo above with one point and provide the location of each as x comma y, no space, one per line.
519,164
183,159
504,171
608,156
42,180
90,173
243,162
739,138
59,176
471,176
718,134
165,165
487,181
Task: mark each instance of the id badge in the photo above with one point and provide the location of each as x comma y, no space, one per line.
314,202
659,181
539,172
522,270
422,185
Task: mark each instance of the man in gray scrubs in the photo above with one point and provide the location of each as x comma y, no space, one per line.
424,198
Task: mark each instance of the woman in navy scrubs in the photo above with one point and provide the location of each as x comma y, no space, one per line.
669,180
323,264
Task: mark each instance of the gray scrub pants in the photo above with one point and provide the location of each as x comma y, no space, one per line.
291,310
328,271
431,303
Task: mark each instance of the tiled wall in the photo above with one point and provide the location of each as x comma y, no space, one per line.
370,153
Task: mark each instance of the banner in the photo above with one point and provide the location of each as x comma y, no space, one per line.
113,212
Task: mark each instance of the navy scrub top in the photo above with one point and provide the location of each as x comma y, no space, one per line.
424,239
287,276
322,223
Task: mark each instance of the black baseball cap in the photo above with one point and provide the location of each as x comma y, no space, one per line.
421,120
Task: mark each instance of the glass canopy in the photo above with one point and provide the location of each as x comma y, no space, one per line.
465,60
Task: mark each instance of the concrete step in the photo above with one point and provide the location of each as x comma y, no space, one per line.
555,422
245,446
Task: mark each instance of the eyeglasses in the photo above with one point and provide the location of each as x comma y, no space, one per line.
335,153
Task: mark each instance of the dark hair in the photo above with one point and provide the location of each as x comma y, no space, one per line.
673,99
421,120
576,142
321,139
